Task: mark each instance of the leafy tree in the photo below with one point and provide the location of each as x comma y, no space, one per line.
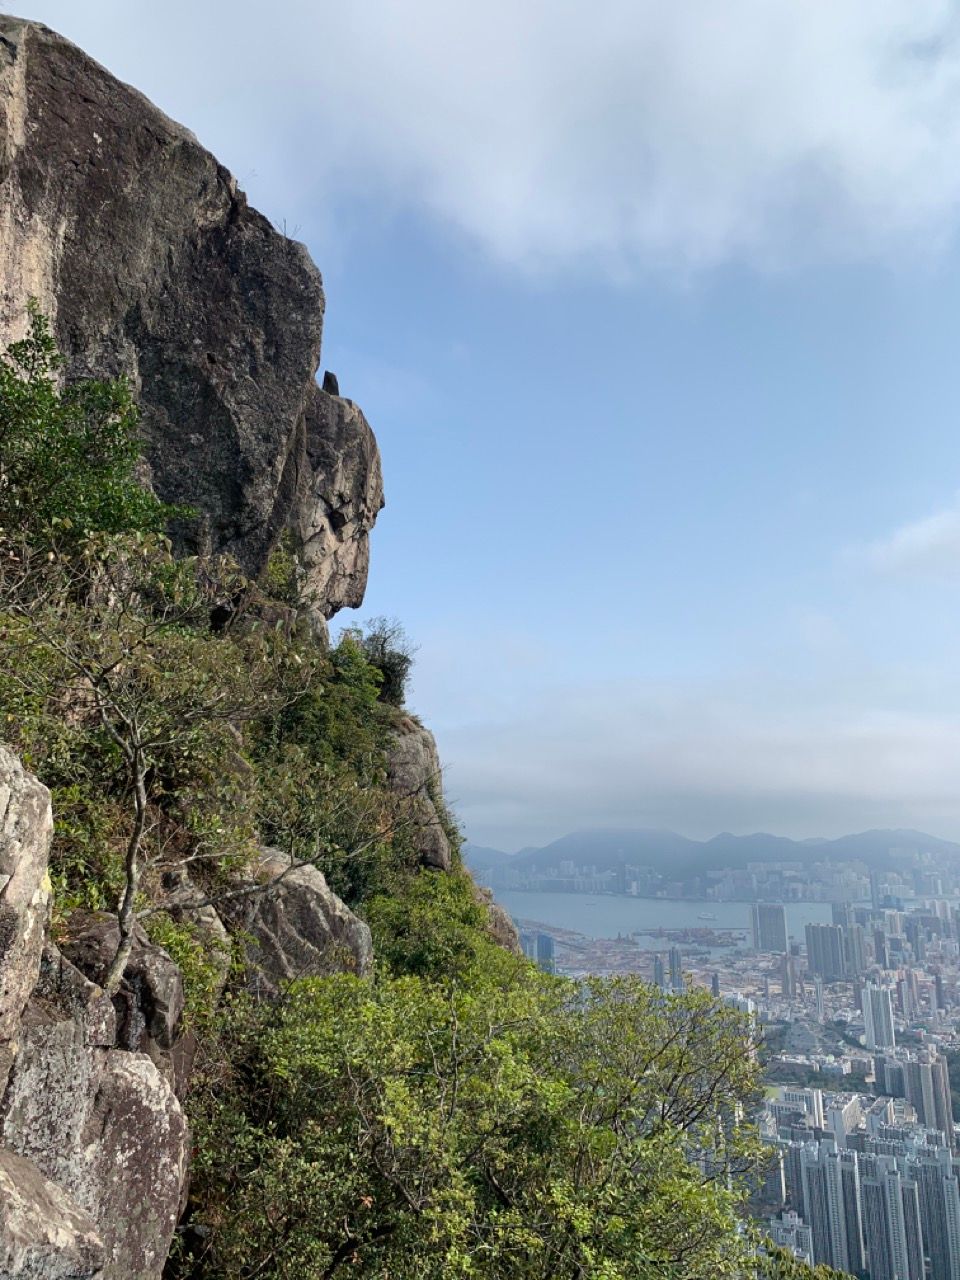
118,635
387,648
527,1129
68,453
432,925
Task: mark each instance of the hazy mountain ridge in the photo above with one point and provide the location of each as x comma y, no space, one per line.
665,850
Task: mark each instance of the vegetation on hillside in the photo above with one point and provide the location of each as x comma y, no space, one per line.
459,1113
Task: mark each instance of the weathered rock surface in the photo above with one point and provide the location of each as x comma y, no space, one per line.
340,493
414,773
149,1004
298,927
105,1126
43,1235
499,924
26,825
91,1135
150,262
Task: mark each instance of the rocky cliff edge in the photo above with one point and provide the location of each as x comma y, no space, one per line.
150,263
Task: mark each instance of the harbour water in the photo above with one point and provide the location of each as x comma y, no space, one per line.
606,915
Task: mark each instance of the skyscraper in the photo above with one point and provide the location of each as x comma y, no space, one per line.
891,1219
854,949
788,976
936,1179
878,1017
852,1210
659,976
823,1204
825,951
769,921
926,1082
831,1195
676,969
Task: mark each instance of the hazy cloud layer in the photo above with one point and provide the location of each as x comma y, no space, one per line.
624,134
647,757
929,546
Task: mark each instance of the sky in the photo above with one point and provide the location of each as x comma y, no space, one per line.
655,311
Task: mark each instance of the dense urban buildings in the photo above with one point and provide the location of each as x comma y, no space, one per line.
860,1018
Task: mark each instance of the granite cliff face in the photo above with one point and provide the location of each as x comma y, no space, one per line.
150,263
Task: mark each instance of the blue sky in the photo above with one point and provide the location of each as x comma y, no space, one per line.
655,312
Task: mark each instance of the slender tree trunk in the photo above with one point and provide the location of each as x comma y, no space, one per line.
126,910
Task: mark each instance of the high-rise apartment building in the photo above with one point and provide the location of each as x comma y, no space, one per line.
852,1211
923,1078
855,949
823,1204
926,1082
891,1221
936,1177
769,921
878,1017
825,951
676,969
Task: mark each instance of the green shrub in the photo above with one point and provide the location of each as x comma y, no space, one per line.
68,455
387,647
421,1132
432,925
201,960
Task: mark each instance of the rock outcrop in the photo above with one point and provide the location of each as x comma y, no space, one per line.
499,925
43,1235
148,1008
26,825
297,927
91,1133
150,263
341,492
414,773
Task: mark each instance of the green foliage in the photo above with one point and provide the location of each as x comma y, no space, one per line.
112,648
202,961
531,1128
337,720
68,455
387,647
778,1264
281,580
432,925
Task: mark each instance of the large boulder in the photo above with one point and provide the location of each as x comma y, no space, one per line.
26,825
150,262
415,775
295,926
105,1126
43,1235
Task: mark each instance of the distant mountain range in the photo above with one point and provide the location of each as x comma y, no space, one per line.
668,851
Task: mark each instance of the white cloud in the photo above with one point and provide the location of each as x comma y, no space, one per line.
930,546
625,133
